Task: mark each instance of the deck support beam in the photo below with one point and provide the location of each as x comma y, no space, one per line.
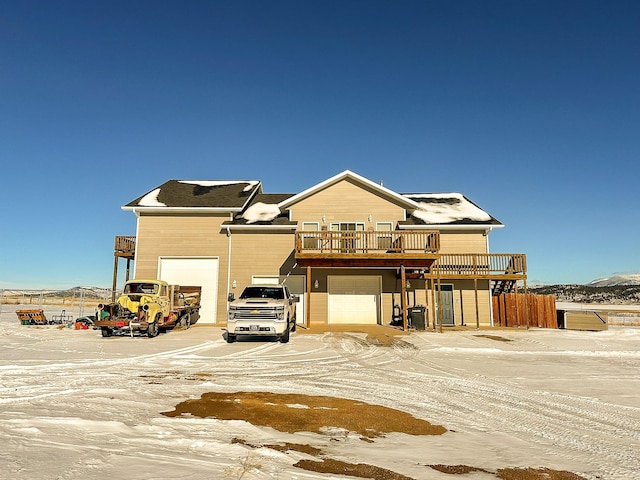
307,315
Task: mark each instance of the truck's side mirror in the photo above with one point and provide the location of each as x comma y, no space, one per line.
231,297
295,298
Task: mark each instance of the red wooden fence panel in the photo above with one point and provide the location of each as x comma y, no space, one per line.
518,310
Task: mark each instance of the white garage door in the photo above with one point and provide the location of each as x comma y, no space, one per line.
202,271
354,299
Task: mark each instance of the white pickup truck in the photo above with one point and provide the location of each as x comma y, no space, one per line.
262,310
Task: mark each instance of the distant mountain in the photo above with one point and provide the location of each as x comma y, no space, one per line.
612,294
628,279
85,292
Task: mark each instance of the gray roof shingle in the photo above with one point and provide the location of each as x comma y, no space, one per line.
232,195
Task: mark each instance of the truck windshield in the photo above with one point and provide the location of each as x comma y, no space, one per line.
151,288
263,292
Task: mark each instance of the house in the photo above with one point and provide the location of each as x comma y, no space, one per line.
354,251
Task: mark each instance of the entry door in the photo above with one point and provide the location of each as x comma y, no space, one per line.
354,299
445,299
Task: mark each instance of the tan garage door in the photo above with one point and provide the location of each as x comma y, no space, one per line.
354,299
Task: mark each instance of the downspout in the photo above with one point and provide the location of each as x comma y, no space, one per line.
135,251
228,271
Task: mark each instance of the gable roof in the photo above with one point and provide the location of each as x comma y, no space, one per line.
252,207
349,175
216,195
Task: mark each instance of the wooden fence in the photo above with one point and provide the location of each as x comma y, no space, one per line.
514,310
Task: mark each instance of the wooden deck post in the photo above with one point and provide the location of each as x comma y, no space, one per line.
475,288
115,278
515,295
439,299
426,300
526,302
307,312
403,301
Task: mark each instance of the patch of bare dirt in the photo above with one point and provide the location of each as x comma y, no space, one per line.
457,469
359,470
511,473
536,474
293,413
495,337
379,334
297,413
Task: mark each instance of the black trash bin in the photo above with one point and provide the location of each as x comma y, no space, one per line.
417,315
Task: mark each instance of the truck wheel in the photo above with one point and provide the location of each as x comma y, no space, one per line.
152,329
294,325
230,338
285,336
106,331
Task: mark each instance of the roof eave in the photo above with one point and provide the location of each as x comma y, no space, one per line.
230,226
449,226
138,209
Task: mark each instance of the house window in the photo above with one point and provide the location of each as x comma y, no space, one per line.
383,238
348,242
310,241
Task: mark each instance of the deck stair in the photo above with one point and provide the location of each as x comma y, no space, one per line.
502,286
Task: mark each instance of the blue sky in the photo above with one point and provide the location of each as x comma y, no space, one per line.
529,108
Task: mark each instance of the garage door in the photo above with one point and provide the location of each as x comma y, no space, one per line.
354,299
202,271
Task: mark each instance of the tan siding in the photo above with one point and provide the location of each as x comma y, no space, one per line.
346,202
463,242
319,308
177,235
182,235
465,302
260,254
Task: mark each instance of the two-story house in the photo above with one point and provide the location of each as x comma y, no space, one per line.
354,251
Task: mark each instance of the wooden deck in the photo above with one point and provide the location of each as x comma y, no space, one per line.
125,246
413,250
367,249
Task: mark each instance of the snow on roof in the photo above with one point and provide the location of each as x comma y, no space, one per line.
446,208
151,199
219,183
261,212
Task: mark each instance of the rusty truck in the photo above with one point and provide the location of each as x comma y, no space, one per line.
147,307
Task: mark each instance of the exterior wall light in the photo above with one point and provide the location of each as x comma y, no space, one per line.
316,284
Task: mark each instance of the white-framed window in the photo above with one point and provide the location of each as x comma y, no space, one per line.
310,241
384,239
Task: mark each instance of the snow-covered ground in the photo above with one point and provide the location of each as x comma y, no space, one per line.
74,405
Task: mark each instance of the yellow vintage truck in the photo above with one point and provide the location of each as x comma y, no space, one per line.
147,306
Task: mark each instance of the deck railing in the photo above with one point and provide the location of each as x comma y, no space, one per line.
125,245
372,242
478,264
